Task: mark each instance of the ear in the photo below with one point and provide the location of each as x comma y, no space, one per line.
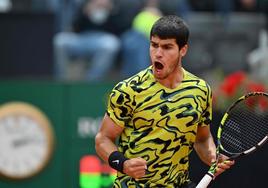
183,50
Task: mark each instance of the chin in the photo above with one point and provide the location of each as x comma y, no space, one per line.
159,76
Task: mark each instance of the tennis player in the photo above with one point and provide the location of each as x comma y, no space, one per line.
159,115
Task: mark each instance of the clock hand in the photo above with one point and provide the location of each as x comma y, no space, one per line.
24,141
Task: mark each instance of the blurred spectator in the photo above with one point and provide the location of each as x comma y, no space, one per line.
94,38
135,42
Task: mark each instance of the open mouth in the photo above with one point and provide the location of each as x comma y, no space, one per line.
158,65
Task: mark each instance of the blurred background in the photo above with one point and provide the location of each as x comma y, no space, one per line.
64,56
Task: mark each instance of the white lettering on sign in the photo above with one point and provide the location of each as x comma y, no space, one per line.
88,126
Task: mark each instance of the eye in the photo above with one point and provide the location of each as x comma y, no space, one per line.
154,45
167,47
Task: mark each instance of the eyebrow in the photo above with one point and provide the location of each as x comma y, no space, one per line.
166,44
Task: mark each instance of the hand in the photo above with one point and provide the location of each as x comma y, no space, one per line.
224,164
135,167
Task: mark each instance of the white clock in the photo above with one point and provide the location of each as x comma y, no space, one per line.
26,140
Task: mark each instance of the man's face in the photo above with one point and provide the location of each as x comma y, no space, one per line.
165,56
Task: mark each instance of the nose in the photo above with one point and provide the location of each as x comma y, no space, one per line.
158,52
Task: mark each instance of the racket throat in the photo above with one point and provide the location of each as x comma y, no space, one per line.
211,174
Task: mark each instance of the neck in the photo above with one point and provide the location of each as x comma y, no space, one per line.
173,80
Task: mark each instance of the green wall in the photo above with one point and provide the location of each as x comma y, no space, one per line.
71,108
75,111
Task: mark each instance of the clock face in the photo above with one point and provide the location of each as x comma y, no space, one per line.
26,140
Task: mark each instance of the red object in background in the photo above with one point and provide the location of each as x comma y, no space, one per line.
90,164
232,82
263,103
258,87
255,87
236,85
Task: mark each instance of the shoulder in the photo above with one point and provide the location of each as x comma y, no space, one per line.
196,81
137,82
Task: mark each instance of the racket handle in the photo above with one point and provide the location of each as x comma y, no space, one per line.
205,181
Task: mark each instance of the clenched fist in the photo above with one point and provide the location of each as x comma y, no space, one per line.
135,167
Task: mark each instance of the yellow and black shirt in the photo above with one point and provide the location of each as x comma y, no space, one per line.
160,125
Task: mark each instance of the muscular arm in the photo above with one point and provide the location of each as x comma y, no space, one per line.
105,145
105,138
206,150
204,145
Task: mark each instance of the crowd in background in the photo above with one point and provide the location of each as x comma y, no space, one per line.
112,36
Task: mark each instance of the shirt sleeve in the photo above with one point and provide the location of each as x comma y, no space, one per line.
119,107
206,117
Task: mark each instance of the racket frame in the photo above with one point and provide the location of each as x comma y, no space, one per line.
210,175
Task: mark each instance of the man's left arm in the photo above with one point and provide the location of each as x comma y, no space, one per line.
204,145
206,150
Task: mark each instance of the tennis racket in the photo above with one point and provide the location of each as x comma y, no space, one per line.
243,129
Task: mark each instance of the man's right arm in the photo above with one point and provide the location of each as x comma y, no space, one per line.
105,138
105,146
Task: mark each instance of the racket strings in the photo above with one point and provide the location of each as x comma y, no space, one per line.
245,126
231,138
